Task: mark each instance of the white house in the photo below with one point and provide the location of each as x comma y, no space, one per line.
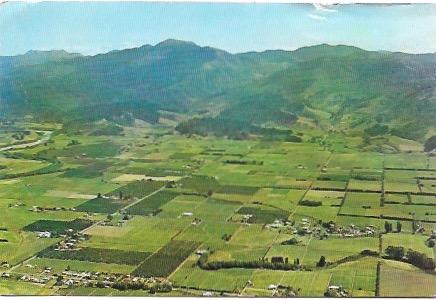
44,234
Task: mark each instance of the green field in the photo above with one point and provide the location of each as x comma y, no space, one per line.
151,209
394,275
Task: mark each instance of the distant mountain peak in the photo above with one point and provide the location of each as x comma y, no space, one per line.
50,53
175,42
45,52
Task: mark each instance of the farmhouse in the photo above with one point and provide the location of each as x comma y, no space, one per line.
277,224
196,221
69,282
44,234
201,252
247,217
336,291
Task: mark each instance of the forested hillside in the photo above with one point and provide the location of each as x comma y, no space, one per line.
337,87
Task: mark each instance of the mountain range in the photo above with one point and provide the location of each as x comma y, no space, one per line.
216,92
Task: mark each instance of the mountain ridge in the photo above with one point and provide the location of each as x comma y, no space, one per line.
173,41
347,84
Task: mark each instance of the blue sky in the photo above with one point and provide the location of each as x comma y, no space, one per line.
91,28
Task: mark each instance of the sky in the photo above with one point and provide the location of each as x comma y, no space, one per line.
95,27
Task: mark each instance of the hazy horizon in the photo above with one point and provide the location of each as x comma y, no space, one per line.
91,28
203,46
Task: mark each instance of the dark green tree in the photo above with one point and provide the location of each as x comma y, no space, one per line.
321,262
388,227
395,252
399,225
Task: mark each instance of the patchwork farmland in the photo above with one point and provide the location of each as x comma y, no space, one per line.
154,212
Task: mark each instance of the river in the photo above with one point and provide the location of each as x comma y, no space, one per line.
45,137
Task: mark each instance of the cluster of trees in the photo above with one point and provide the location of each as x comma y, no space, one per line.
20,135
333,293
328,224
430,144
307,202
73,143
396,253
278,264
368,252
286,291
420,260
226,237
377,129
279,259
353,257
410,130
234,129
243,162
157,288
123,286
413,257
255,264
388,226
161,288
292,241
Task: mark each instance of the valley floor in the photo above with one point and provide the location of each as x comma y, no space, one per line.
152,212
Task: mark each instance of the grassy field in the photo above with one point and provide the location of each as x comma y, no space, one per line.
59,265
393,275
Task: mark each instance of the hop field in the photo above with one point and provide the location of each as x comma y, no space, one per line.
58,226
167,259
151,204
99,255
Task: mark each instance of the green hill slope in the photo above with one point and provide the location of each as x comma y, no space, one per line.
345,86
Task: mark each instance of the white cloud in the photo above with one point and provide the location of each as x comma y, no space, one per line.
324,8
316,17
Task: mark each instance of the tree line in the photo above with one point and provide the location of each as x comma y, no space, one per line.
413,257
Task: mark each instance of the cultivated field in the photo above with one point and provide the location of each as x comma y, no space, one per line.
152,212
